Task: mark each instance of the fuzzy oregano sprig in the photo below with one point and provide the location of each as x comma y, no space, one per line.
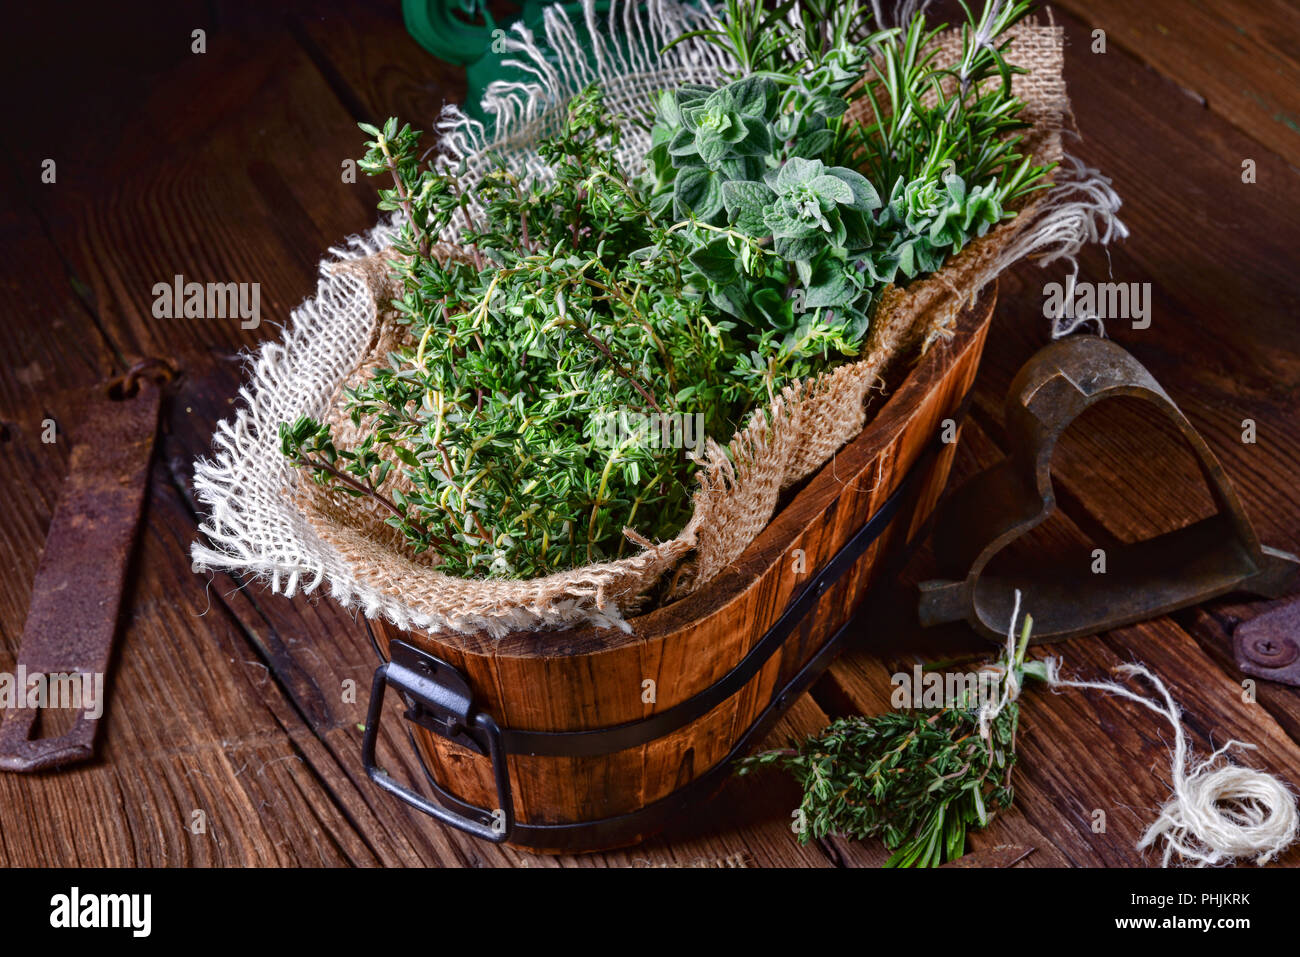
917,779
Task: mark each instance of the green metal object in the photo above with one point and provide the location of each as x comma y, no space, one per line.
465,33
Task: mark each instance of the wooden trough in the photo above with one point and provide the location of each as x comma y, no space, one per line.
594,738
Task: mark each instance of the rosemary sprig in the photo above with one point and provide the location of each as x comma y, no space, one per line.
917,779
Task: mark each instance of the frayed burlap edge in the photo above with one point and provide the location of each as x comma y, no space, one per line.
738,486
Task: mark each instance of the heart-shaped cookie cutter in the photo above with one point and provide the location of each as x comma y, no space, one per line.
1067,598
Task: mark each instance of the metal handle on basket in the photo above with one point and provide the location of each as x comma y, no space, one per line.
439,699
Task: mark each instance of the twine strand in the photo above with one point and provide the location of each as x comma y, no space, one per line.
1219,812
989,710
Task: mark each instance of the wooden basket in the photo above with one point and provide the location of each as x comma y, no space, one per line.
594,738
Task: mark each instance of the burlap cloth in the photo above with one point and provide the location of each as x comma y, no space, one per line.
268,520
737,492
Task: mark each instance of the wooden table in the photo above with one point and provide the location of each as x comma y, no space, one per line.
226,166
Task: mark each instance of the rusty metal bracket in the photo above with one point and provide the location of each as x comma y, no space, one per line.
1212,557
1268,646
72,619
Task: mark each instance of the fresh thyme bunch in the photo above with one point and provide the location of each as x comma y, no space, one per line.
565,312
523,345
917,779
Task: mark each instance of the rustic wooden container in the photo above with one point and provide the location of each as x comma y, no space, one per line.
806,574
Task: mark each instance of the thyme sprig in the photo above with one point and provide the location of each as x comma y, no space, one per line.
918,779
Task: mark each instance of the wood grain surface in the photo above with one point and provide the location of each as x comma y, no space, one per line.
238,710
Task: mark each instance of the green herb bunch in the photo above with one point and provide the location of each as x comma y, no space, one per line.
940,138
926,115
917,779
564,310
751,253
946,138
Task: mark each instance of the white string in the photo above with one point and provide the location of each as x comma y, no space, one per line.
989,710
1217,814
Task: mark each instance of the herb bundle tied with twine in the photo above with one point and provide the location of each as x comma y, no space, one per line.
920,779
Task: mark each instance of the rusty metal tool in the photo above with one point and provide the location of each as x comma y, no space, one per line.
1208,558
72,618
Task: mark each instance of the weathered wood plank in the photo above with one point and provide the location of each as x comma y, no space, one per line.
1239,58
1218,256
189,729
48,339
195,724
247,189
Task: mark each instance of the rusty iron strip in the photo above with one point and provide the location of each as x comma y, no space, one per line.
76,596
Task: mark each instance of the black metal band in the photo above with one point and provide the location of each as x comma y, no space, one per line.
655,726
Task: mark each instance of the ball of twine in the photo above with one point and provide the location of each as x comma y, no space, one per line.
1219,812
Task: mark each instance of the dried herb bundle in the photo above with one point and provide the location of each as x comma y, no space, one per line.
917,779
